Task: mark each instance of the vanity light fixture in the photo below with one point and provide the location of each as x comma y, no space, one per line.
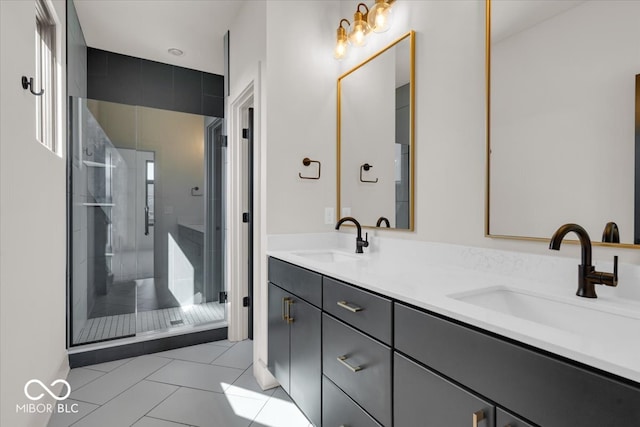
378,19
359,27
381,16
341,44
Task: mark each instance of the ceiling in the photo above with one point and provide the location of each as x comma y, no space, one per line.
147,28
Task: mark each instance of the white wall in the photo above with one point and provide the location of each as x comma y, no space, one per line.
301,113
32,224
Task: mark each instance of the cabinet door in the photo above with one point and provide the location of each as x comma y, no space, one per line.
422,398
306,368
278,336
505,419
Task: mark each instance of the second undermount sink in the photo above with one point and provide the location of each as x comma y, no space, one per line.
585,318
328,256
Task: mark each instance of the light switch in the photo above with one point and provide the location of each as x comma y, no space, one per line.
168,210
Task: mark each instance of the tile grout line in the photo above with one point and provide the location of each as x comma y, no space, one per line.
162,419
129,388
159,403
123,391
103,374
108,372
98,406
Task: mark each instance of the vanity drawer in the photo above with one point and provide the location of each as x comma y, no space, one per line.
359,365
339,410
505,419
422,398
297,280
546,390
359,308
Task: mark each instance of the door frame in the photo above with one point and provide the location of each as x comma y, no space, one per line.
238,318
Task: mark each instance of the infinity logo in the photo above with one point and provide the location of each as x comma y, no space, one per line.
47,389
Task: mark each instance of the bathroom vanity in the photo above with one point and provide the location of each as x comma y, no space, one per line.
350,350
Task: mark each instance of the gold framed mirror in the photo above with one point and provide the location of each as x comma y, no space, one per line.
376,138
560,118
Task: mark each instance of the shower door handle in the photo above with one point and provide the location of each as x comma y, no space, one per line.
146,220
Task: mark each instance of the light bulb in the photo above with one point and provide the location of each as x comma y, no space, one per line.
359,30
341,44
380,17
340,50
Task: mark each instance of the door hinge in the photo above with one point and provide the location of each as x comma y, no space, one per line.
245,133
223,140
246,301
245,217
222,297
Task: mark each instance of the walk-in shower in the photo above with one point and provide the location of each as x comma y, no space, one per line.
146,207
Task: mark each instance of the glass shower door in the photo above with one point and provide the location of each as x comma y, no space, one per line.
148,202
103,302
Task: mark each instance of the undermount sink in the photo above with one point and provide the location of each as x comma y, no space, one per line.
585,318
328,256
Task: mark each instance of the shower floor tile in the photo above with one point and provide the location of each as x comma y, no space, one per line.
106,327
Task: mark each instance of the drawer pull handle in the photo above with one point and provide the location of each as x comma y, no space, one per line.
347,306
343,360
284,308
289,318
477,417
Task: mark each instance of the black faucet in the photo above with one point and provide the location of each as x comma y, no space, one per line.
588,277
381,220
611,233
359,242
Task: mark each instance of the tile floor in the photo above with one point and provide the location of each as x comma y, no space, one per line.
203,385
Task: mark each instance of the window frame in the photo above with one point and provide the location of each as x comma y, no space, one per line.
46,75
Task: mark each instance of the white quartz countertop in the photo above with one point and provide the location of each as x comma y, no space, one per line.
423,276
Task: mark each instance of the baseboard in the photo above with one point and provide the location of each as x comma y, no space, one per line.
263,376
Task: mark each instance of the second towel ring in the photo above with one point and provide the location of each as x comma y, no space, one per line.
307,161
366,168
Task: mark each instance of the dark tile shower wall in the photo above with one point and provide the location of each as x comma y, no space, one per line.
134,81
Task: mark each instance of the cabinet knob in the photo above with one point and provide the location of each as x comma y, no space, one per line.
477,417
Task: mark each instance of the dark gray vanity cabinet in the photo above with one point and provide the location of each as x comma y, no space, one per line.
422,398
338,409
505,419
368,312
356,352
294,327
278,329
541,388
350,357
359,365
